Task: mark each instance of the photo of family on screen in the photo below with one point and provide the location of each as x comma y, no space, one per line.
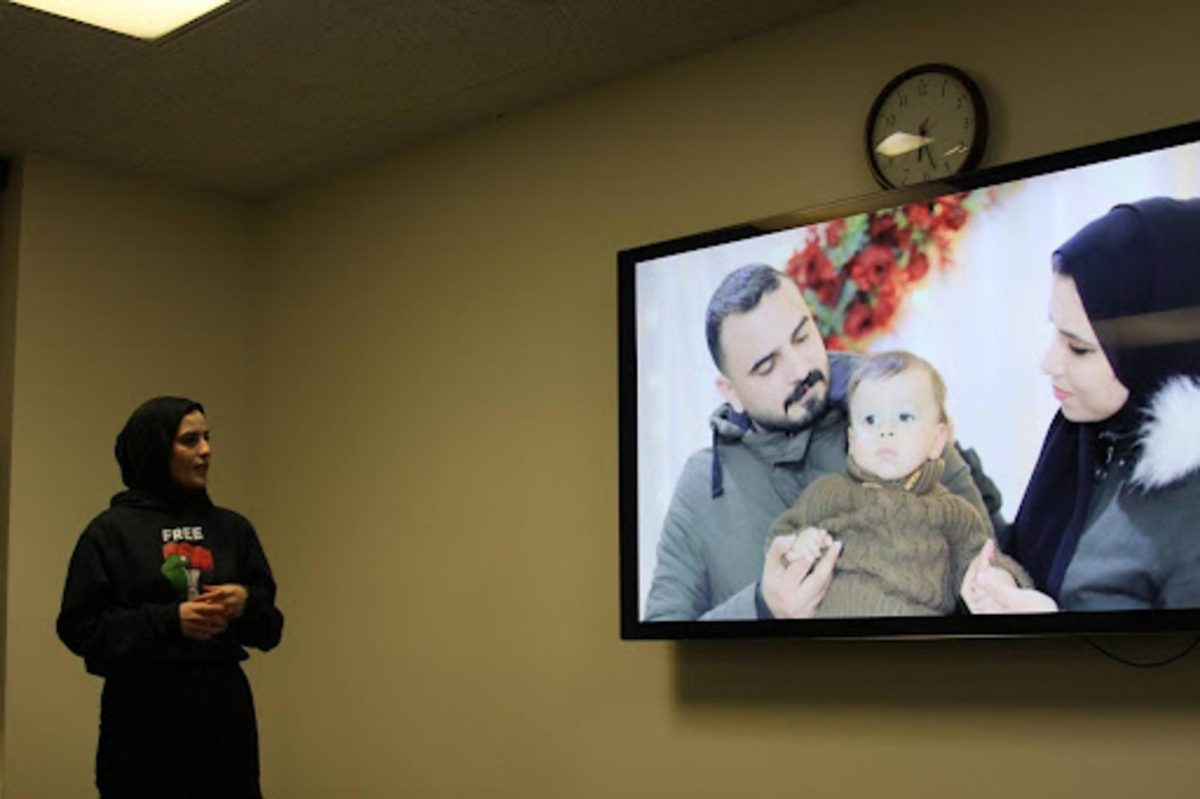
983,403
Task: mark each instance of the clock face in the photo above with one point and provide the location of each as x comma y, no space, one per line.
928,123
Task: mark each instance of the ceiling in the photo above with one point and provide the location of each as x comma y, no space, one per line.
270,93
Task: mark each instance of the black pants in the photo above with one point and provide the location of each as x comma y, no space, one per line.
178,734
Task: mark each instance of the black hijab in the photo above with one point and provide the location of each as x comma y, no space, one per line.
1137,270
143,448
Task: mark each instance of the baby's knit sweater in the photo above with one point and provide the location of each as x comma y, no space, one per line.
906,543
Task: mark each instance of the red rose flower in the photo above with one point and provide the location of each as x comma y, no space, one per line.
811,268
834,231
918,215
872,266
811,265
918,265
202,559
829,291
170,549
949,213
953,218
859,319
891,287
884,310
882,228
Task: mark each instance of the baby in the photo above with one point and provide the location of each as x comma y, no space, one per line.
907,541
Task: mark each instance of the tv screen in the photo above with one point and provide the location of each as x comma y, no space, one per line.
964,408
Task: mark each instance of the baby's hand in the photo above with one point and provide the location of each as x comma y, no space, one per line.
809,544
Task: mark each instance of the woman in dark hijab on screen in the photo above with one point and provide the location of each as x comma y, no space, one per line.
1110,519
163,591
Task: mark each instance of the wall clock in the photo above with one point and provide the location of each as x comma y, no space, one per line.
929,123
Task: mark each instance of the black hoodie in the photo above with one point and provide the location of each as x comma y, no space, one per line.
120,608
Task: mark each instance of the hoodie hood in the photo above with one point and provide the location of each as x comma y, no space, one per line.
138,500
174,501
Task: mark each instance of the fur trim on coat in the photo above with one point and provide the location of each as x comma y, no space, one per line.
1170,435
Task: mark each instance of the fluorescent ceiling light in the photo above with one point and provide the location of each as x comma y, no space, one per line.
145,19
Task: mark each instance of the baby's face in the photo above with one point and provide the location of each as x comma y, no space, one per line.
895,425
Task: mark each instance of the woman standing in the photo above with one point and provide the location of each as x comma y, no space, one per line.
163,591
1109,519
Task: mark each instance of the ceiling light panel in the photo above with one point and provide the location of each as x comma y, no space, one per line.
145,19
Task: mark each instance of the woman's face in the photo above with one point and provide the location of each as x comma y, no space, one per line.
190,453
1083,380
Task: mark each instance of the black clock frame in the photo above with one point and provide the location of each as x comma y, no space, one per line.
978,141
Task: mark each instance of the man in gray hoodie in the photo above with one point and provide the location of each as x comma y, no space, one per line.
782,426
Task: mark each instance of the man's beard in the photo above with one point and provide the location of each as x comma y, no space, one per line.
814,407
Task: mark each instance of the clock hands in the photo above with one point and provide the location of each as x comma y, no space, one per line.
928,155
922,131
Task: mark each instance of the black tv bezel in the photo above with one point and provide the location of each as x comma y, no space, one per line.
955,626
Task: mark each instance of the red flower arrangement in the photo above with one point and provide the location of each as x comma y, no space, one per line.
856,272
194,556
182,565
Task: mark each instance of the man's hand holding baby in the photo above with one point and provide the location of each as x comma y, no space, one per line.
797,572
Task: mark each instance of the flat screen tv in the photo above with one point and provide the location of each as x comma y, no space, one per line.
972,276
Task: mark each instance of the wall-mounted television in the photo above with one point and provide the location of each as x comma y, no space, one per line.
1055,485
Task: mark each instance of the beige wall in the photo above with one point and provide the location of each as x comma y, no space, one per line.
126,289
9,226
425,434
440,366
